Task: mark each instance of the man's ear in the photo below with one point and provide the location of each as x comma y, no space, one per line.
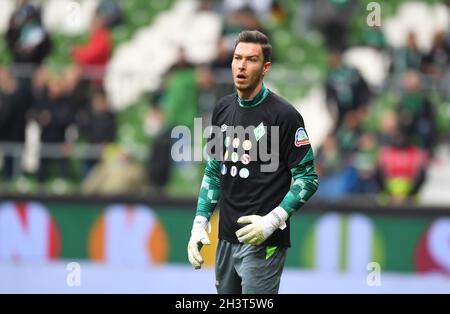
266,67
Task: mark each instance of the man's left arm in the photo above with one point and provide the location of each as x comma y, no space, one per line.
298,154
304,186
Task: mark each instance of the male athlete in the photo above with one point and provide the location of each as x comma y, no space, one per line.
255,199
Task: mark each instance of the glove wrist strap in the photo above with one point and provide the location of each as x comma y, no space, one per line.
200,222
279,217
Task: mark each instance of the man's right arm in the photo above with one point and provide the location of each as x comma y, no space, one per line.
209,193
207,201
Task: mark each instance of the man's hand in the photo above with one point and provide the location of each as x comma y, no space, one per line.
259,228
199,237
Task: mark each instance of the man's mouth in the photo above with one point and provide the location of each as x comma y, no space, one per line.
241,76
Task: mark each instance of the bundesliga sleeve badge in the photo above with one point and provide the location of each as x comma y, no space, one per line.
301,138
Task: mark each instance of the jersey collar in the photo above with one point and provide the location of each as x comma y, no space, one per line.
259,98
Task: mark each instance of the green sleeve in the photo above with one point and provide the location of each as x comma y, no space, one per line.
210,189
304,186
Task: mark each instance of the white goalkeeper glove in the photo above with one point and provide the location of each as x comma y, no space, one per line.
199,237
259,228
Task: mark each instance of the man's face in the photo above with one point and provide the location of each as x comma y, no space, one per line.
248,66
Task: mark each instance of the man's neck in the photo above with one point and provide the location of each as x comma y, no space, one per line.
254,100
250,95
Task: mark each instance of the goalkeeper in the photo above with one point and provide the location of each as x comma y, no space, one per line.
255,204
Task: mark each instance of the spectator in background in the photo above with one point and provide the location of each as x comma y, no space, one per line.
348,137
99,124
116,173
364,162
401,168
78,89
408,57
179,104
16,100
53,114
181,93
261,8
374,37
387,128
346,89
329,157
349,132
29,44
26,38
40,82
111,13
435,61
416,113
331,17
95,54
337,176
224,57
221,68
4,103
6,90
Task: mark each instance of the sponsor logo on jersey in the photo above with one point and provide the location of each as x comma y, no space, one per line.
245,159
236,142
301,138
244,173
247,145
227,141
259,131
223,170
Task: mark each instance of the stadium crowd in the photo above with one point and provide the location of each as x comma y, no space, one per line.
377,145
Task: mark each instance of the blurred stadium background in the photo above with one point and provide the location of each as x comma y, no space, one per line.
90,89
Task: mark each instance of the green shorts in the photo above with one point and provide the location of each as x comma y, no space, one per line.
245,268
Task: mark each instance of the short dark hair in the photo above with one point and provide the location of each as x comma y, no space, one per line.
256,37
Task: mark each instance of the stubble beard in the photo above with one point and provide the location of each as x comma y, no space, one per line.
250,87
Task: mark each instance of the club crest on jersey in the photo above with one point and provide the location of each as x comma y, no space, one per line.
259,131
301,138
